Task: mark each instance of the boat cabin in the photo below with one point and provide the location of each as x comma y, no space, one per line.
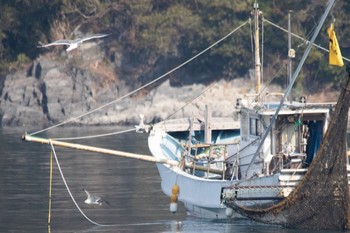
231,154
293,141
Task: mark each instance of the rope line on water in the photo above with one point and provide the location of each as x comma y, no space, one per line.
70,194
76,204
144,86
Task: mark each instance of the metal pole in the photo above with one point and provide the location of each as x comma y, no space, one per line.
290,53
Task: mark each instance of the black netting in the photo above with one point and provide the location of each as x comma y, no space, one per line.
321,200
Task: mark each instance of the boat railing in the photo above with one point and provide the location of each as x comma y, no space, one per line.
211,156
276,163
290,161
272,95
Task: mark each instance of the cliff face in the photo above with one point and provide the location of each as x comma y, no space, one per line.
83,87
55,90
60,88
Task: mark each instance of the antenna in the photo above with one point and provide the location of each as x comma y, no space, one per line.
257,48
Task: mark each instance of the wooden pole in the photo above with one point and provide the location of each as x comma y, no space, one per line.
257,49
148,158
208,117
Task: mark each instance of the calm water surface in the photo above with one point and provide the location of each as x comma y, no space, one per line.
132,187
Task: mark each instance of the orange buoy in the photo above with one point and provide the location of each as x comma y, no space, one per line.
173,198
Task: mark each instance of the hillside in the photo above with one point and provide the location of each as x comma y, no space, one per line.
147,39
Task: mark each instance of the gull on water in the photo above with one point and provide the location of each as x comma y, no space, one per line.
73,44
93,199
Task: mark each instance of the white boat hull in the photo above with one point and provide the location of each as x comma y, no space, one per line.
203,197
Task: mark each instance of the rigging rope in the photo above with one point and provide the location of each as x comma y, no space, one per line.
96,135
290,86
131,130
192,100
301,38
282,67
144,86
251,36
262,49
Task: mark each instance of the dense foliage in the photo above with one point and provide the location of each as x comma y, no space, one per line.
167,32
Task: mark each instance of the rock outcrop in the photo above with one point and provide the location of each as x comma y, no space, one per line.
80,88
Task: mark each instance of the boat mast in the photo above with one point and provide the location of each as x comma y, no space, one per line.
291,53
294,77
257,49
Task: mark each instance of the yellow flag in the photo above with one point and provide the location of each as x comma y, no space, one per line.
335,57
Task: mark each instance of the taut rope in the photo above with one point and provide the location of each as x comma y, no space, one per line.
144,86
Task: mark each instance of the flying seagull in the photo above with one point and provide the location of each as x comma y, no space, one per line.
73,44
93,199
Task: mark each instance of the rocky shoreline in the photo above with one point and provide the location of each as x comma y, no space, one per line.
81,88
49,92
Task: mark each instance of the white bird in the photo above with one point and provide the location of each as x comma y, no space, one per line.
73,44
93,199
142,128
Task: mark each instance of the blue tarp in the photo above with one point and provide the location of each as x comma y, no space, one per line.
314,140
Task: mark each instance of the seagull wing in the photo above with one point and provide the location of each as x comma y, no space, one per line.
57,42
93,36
87,193
95,199
105,201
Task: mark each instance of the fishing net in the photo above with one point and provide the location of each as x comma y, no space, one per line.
321,200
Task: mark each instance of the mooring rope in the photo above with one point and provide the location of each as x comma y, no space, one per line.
70,193
144,86
50,191
76,204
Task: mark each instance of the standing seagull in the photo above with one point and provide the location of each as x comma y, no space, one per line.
93,199
73,44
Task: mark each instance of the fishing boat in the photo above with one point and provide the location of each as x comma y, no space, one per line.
259,161
259,166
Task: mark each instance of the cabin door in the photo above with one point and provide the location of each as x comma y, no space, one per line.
314,139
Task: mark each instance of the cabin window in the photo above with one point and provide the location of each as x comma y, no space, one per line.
254,126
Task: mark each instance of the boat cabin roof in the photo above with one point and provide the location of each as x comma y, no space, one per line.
269,109
184,124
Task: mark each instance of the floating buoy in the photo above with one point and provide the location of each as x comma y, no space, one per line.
173,207
173,199
229,212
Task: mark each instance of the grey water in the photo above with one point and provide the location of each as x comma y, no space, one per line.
132,188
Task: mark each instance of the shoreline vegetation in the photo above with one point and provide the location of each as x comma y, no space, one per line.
46,86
